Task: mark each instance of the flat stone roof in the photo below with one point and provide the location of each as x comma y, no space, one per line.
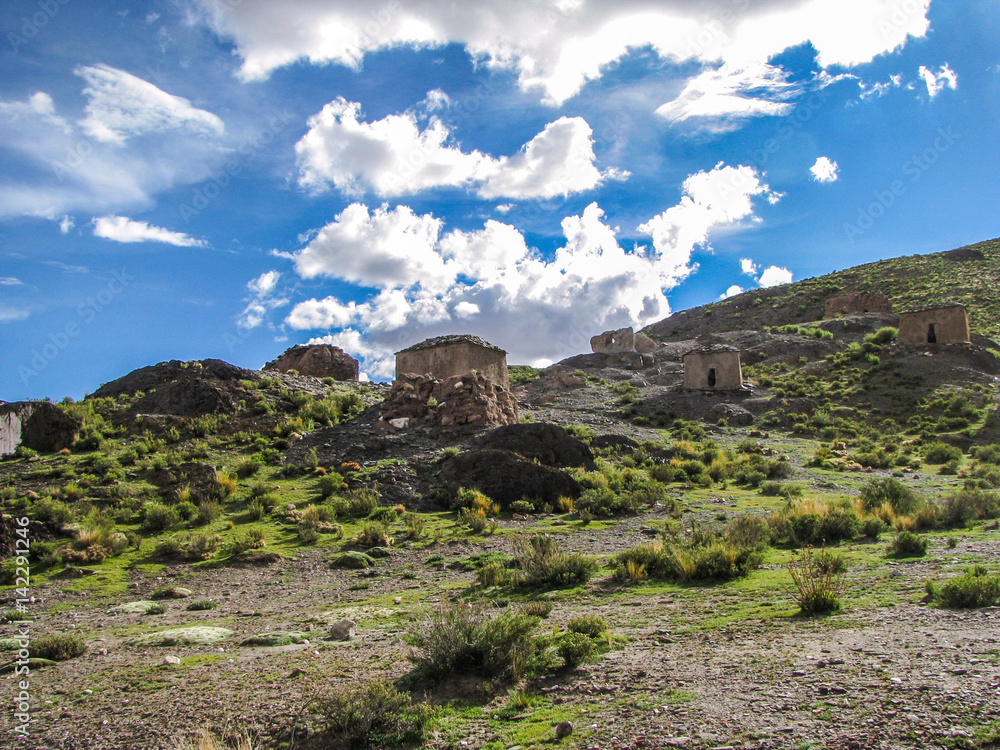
712,349
458,338
940,306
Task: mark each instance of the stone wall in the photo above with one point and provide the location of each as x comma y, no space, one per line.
470,399
940,325
622,340
857,303
715,369
447,360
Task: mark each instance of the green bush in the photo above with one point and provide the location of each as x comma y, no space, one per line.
50,510
576,648
974,588
970,505
458,638
942,453
159,517
370,714
903,500
592,626
330,484
59,647
543,563
714,560
907,544
604,502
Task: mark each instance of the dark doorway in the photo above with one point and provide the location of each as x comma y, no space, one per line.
711,377
931,334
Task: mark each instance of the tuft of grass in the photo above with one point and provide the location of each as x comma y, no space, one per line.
907,544
818,579
59,647
372,714
974,588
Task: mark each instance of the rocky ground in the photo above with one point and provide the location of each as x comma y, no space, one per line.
721,666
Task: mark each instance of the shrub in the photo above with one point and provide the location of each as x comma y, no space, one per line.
188,546
576,648
818,582
58,647
208,511
592,626
873,527
888,490
907,544
459,638
708,560
200,605
542,562
374,534
372,714
330,484
747,531
50,510
159,517
942,453
970,505
974,588
605,502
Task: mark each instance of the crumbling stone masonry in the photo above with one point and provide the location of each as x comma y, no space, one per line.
470,399
622,340
714,368
942,324
446,356
857,303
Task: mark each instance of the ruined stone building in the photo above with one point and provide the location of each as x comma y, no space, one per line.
446,356
622,340
857,303
715,367
941,324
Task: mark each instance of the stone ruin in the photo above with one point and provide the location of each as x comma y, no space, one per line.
38,425
468,400
941,324
622,340
857,303
715,368
446,356
316,360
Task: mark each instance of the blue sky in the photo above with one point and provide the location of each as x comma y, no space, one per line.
226,178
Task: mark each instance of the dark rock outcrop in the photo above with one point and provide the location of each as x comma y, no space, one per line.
39,425
506,477
549,444
316,360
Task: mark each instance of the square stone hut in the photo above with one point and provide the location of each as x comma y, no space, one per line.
941,324
857,303
715,368
446,356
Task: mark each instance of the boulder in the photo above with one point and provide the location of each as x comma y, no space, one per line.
193,636
617,443
506,477
547,443
343,630
318,361
735,416
39,425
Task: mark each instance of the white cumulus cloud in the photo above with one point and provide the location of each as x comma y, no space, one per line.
489,281
945,78
121,106
731,292
394,156
557,46
774,276
123,229
825,170
262,299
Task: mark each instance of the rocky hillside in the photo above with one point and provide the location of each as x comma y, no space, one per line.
968,275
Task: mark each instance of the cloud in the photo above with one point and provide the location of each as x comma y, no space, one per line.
824,170
394,156
937,82
121,106
748,267
774,276
122,229
38,105
557,46
429,281
262,299
719,197
66,223
10,281
719,99
11,314
881,88
731,292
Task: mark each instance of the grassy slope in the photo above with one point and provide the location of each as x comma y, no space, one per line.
909,282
